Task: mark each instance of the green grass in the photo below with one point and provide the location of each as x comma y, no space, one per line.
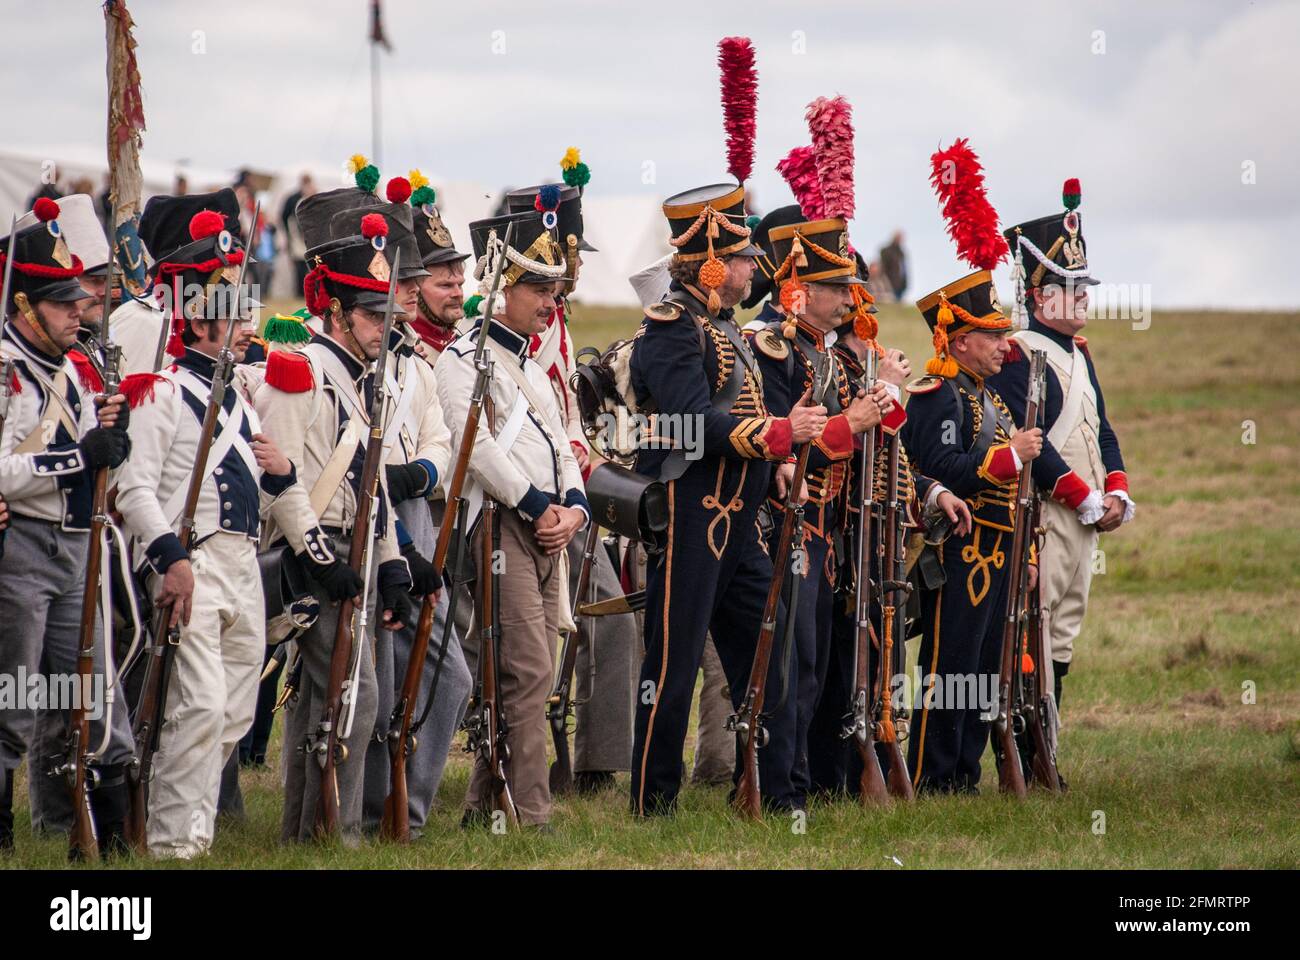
1199,602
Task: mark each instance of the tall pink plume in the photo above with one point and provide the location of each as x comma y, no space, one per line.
739,103
958,180
830,121
800,171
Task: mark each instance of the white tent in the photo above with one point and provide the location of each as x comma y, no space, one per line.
628,230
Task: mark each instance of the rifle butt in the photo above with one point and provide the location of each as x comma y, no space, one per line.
396,823
561,773
1011,778
747,801
872,789
900,781
327,805
83,846
135,826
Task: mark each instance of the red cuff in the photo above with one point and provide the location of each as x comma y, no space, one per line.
1116,480
1070,490
1000,464
836,440
894,420
778,438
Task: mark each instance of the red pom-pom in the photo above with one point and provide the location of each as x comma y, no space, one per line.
1071,186
45,209
206,223
739,103
958,180
374,225
289,371
398,190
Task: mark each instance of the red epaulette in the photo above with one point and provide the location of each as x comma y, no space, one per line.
1082,344
1014,353
86,372
289,371
139,387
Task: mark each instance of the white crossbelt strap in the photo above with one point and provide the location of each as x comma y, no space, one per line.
404,393
56,412
505,439
344,385
1080,386
228,437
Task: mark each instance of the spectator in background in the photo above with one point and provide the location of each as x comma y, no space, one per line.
293,241
49,190
257,237
877,285
181,186
893,261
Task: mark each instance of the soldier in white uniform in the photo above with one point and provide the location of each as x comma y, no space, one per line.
609,661
1081,470
314,406
139,327
522,459
216,589
52,443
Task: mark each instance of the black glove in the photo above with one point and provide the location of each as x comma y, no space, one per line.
405,480
425,578
394,587
340,581
104,447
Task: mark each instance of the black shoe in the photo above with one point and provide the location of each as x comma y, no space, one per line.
110,804
475,819
589,782
6,811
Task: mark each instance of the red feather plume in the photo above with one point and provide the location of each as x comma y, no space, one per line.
830,121
739,103
799,168
958,180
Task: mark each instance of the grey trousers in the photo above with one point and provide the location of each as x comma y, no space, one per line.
424,767
42,576
606,672
302,770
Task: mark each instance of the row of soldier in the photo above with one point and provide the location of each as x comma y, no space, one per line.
280,492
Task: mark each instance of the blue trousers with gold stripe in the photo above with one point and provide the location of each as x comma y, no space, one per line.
960,648
712,577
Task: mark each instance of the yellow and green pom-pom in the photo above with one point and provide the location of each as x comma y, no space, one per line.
357,162
417,179
472,305
422,196
576,173
283,328
367,178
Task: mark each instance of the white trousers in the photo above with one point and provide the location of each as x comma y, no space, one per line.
211,697
1065,569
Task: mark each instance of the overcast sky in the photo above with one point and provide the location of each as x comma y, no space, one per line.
1155,106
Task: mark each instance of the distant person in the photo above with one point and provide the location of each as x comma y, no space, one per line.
893,262
181,186
48,190
293,242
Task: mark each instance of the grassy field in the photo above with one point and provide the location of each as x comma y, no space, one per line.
1182,711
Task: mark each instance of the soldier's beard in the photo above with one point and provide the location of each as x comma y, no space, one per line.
429,315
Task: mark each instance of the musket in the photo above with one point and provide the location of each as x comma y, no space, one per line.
146,726
7,367
860,726
893,600
747,722
488,730
83,844
1038,703
559,705
349,632
395,824
1011,776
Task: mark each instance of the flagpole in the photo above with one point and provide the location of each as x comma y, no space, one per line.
375,105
